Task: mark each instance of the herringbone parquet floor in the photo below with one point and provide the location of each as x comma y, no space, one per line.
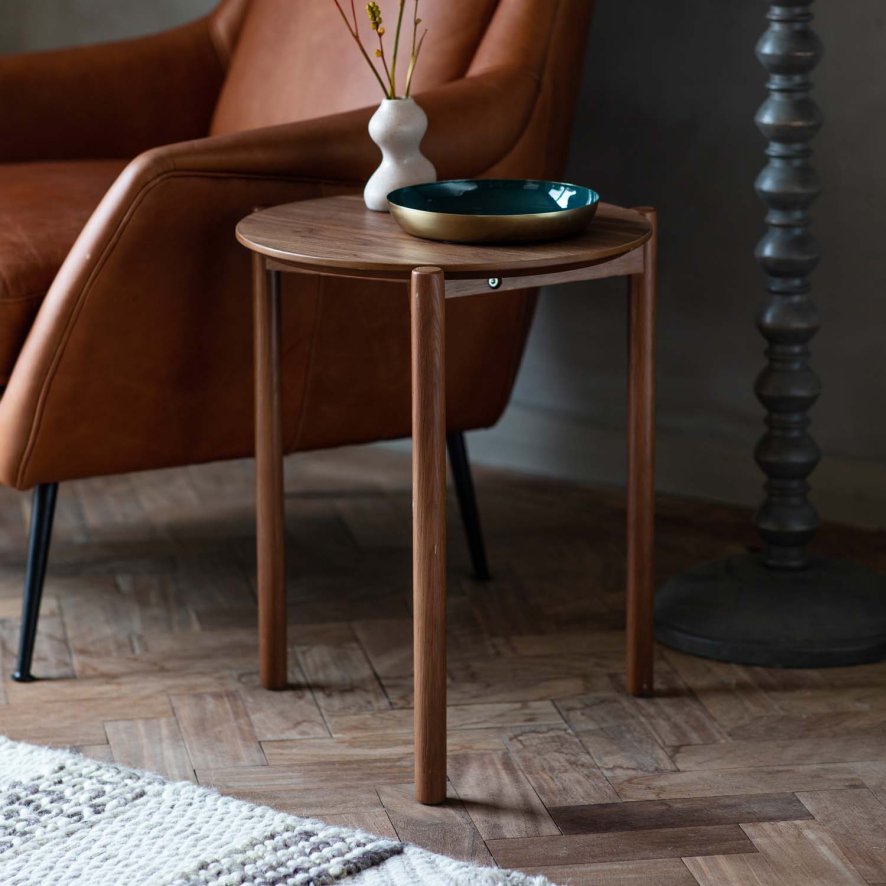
732,775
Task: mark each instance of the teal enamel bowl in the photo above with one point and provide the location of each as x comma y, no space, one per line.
493,210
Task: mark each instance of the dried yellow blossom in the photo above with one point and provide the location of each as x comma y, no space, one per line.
374,13
385,73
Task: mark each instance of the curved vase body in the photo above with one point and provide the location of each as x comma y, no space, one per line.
397,127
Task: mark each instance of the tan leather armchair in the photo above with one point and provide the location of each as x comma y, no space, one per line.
124,299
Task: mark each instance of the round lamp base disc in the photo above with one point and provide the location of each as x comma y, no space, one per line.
831,614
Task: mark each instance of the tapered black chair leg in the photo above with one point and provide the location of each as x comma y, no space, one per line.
38,553
467,503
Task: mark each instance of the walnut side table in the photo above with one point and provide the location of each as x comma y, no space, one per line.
338,236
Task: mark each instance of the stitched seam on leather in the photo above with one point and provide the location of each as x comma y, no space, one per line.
470,61
555,29
83,296
539,79
517,137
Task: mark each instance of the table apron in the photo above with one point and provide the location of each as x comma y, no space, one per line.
625,266
459,286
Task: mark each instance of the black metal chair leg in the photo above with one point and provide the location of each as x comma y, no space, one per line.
467,503
38,553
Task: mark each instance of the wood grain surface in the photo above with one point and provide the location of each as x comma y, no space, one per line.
271,560
641,468
552,766
428,313
338,234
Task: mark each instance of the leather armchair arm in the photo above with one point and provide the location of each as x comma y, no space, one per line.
147,322
110,100
473,123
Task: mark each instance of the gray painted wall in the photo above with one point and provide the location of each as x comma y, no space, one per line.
668,94
44,24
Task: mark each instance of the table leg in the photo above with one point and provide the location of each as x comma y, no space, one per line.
641,471
428,309
269,477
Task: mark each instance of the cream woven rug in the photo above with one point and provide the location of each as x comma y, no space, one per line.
66,819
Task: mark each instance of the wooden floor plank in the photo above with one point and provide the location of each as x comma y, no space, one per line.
692,812
504,606
217,730
101,752
285,714
497,796
447,829
720,783
563,642
283,788
359,772
726,690
377,521
151,594
801,853
111,509
155,745
80,722
620,846
377,746
11,606
674,714
558,767
387,643
374,821
822,724
458,717
52,655
742,754
615,733
522,679
735,870
651,872
856,819
342,679
100,622
121,685
162,602
874,777
167,653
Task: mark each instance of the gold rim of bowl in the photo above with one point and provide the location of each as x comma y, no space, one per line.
462,228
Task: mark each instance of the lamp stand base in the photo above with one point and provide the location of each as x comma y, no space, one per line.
831,614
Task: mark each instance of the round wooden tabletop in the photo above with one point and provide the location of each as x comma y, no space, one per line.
339,235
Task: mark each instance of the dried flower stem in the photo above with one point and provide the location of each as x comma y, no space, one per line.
388,70
416,50
353,32
380,53
397,47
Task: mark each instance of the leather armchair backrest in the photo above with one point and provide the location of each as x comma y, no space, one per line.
294,60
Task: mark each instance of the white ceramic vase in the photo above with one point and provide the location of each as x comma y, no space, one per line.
397,127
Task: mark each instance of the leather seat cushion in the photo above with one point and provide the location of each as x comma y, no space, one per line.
43,208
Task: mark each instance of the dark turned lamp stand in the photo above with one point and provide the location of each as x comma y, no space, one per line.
783,608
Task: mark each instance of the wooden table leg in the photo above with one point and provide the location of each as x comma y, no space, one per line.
428,310
641,471
269,477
